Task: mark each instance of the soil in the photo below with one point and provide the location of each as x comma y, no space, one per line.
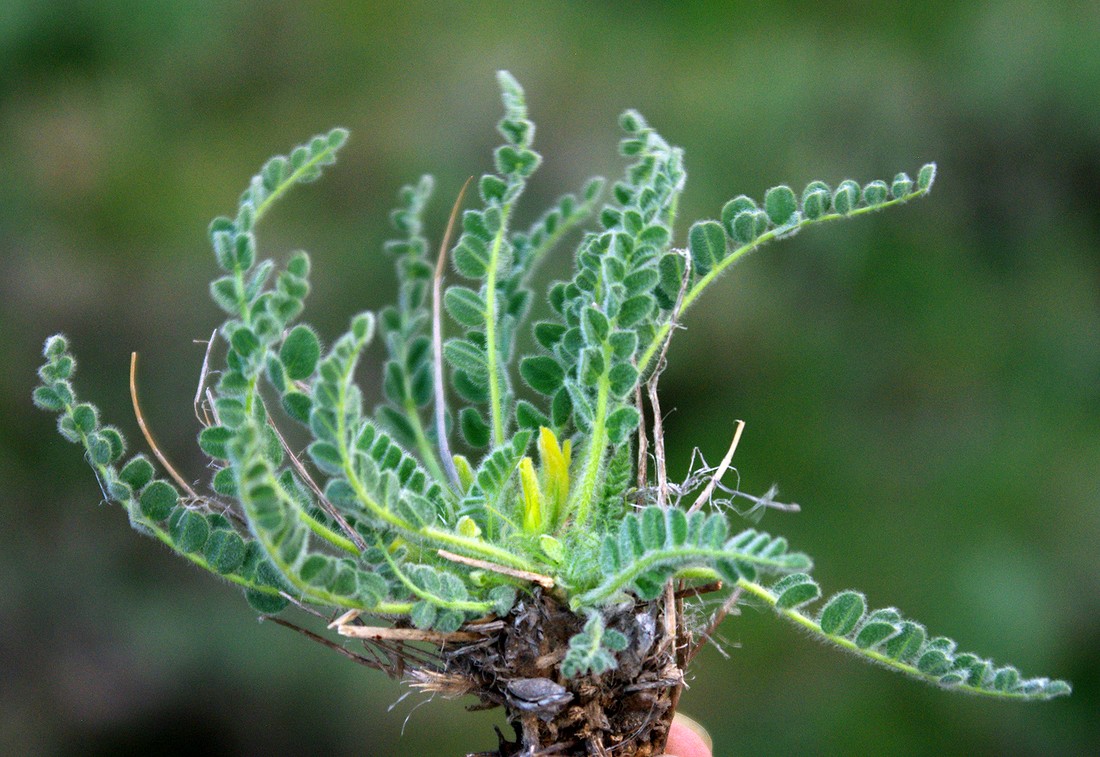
625,711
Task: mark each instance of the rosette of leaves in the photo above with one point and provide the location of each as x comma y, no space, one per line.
533,568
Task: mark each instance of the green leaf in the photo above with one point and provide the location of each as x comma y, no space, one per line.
225,482
846,197
795,590
549,334
623,343
393,383
466,356
561,407
748,225
714,531
298,405
512,161
542,373
158,500
591,366
780,204
623,377
189,530
901,186
267,604
491,188
99,449
244,251
327,457
875,193
926,176
55,347
653,527
471,257
734,207
213,441
225,551
875,631
707,241
474,429
677,525
906,644
300,352
244,341
528,416
671,271
815,204
596,327
503,598
230,412
552,548
465,305
469,388
336,138
224,293
362,327
641,281
423,614
934,662
842,613
1006,678
85,418
137,473
47,398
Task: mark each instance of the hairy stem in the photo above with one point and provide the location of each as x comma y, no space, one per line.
496,409
583,495
694,292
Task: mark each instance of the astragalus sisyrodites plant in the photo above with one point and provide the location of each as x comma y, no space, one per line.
520,543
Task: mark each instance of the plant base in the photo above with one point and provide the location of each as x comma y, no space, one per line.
625,711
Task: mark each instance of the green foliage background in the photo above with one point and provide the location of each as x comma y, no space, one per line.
927,378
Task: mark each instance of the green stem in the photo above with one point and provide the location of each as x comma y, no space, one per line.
199,560
693,293
814,627
581,500
469,547
392,608
332,537
290,181
427,596
618,582
551,240
496,411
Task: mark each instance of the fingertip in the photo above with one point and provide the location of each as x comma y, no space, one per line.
686,738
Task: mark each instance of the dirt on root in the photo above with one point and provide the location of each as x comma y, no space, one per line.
625,711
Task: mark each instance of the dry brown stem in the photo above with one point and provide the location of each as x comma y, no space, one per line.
148,434
524,575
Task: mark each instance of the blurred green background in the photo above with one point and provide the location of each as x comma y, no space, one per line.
925,382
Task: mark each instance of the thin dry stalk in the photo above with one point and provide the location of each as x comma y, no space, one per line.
148,434
651,386
330,644
437,342
712,626
386,633
204,418
723,466
328,507
524,575
643,442
658,443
